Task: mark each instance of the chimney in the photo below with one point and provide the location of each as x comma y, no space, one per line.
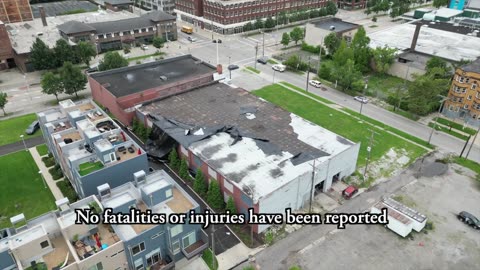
219,69
415,37
43,16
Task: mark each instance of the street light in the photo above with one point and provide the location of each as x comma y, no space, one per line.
24,144
436,118
43,179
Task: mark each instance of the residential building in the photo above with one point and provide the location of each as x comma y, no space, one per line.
6,52
228,17
12,11
167,6
120,90
117,5
351,4
464,95
317,31
263,156
90,147
55,241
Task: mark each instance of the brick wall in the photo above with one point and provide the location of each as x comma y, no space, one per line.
15,11
5,47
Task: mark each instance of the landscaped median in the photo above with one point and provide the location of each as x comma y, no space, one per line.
452,128
388,151
254,70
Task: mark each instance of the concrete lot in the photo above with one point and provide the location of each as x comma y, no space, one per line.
451,245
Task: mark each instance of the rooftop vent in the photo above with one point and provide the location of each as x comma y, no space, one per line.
104,190
140,177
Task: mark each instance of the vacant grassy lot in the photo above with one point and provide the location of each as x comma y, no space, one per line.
339,123
42,149
11,129
23,190
384,85
324,100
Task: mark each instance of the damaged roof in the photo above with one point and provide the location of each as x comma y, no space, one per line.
246,139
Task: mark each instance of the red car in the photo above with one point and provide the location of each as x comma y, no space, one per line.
349,192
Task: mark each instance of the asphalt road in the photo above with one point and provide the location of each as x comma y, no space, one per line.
17,146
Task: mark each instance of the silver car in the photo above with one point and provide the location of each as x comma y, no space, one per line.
361,99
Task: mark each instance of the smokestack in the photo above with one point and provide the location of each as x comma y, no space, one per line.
415,37
43,16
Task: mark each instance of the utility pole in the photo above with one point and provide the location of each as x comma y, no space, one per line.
263,45
273,81
320,57
308,73
213,246
312,187
369,150
473,142
256,52
436,118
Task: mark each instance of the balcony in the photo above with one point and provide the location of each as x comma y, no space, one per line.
165,264
196,247
89,167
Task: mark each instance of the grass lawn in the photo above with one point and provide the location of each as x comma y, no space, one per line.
42,149
11,129
207,257
88,167
339,123
324,100
455,125
385,84
253,69
23,186
448,131
145,56
472,165
271,61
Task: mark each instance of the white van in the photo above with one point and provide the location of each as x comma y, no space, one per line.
279,67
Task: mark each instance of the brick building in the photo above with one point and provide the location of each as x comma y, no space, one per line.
6,52
464,95
121,90
352,4
12,11
229,16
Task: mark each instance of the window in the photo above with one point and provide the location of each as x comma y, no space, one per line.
97,266
138,248
450,108
465,106
189,239
469,97
112,157
139,264
474,116
176,247
168,193
461,79
176,230
153,259
44,244
474,86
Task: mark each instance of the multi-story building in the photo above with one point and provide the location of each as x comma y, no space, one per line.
164,5
55,241
90,147
464,94
12,11
6,51
352,4
227,16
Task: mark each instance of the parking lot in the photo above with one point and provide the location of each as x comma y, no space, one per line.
451,245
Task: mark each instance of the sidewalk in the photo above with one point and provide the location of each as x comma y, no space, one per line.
193,264
234,256
46,175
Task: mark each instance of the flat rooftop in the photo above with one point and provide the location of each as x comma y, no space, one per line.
246,139
444,44
59,8
340,26
472,67
129,80
447,12
23,34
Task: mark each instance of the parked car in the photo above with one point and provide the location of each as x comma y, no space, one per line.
191,39
361,99
315,83
349,192
469,219
233,67
90,70
34,126
144,47
262,60
279,67
217,41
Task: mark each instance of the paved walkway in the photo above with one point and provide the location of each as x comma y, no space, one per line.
192,264
17,146
46,175
234,256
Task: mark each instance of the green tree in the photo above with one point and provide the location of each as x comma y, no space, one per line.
126,49
296,34
199,184
325,72
383,58
3,101
269,23
361,50
423,93
73,79
214,195
343,54
63,53
347,76
231,206
282,18
158,42
248,27
41,56
183,170
112,60
85,51
173,160
437,65
258,24
285,39
331,8
440,3
332,42
52,84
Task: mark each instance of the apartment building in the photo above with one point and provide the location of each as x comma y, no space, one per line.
229,16
464,95
167,6
90,147
352,4
12,11
54,241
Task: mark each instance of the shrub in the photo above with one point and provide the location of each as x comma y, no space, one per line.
67,190
310,48
48,161
214,196
183,170
231,206
56,173
174,162
374,19
325,72
200,185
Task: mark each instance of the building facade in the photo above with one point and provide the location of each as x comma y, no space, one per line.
352,4
226,16
464,95
90,147
6,51
54,240
12,11
167,6
317,31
